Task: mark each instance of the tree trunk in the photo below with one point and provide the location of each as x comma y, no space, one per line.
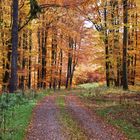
30,62
135,61
44,53
70,64
39,59
106,46
125,43
13,79
60,72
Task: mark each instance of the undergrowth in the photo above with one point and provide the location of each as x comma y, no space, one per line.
118,107
15,113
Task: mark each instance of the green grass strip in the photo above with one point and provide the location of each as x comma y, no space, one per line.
18,118
70,125
132,132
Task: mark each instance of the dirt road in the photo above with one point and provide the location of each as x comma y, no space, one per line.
46,126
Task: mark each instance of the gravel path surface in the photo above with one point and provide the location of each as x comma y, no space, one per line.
44,124
94,126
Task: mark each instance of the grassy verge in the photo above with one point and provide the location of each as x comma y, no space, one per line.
88,85
119,108
70,126
123,118
15,114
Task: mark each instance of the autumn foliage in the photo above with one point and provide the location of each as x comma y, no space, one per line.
57,38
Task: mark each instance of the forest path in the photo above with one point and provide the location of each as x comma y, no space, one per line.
45,124
94,126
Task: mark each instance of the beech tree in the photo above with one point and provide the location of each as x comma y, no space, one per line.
15,29
13,78
42,42
125,42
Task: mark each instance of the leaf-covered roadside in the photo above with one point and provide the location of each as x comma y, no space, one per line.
119,108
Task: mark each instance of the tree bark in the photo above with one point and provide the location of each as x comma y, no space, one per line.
13,78
60,71
29,61
125,43
106,46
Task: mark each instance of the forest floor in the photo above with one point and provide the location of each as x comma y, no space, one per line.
64,116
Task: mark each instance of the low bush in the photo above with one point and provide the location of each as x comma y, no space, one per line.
88,77
15,112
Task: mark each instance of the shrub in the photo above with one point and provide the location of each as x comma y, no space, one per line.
89,77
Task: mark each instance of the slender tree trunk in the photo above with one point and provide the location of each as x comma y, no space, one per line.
68,70
13,79
135,61
25,32
55,61
106,46
125,43
30,62
70,64
44,53
74,62
134,40
39,59
71,76
60,72
6,68
117,47
53,80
